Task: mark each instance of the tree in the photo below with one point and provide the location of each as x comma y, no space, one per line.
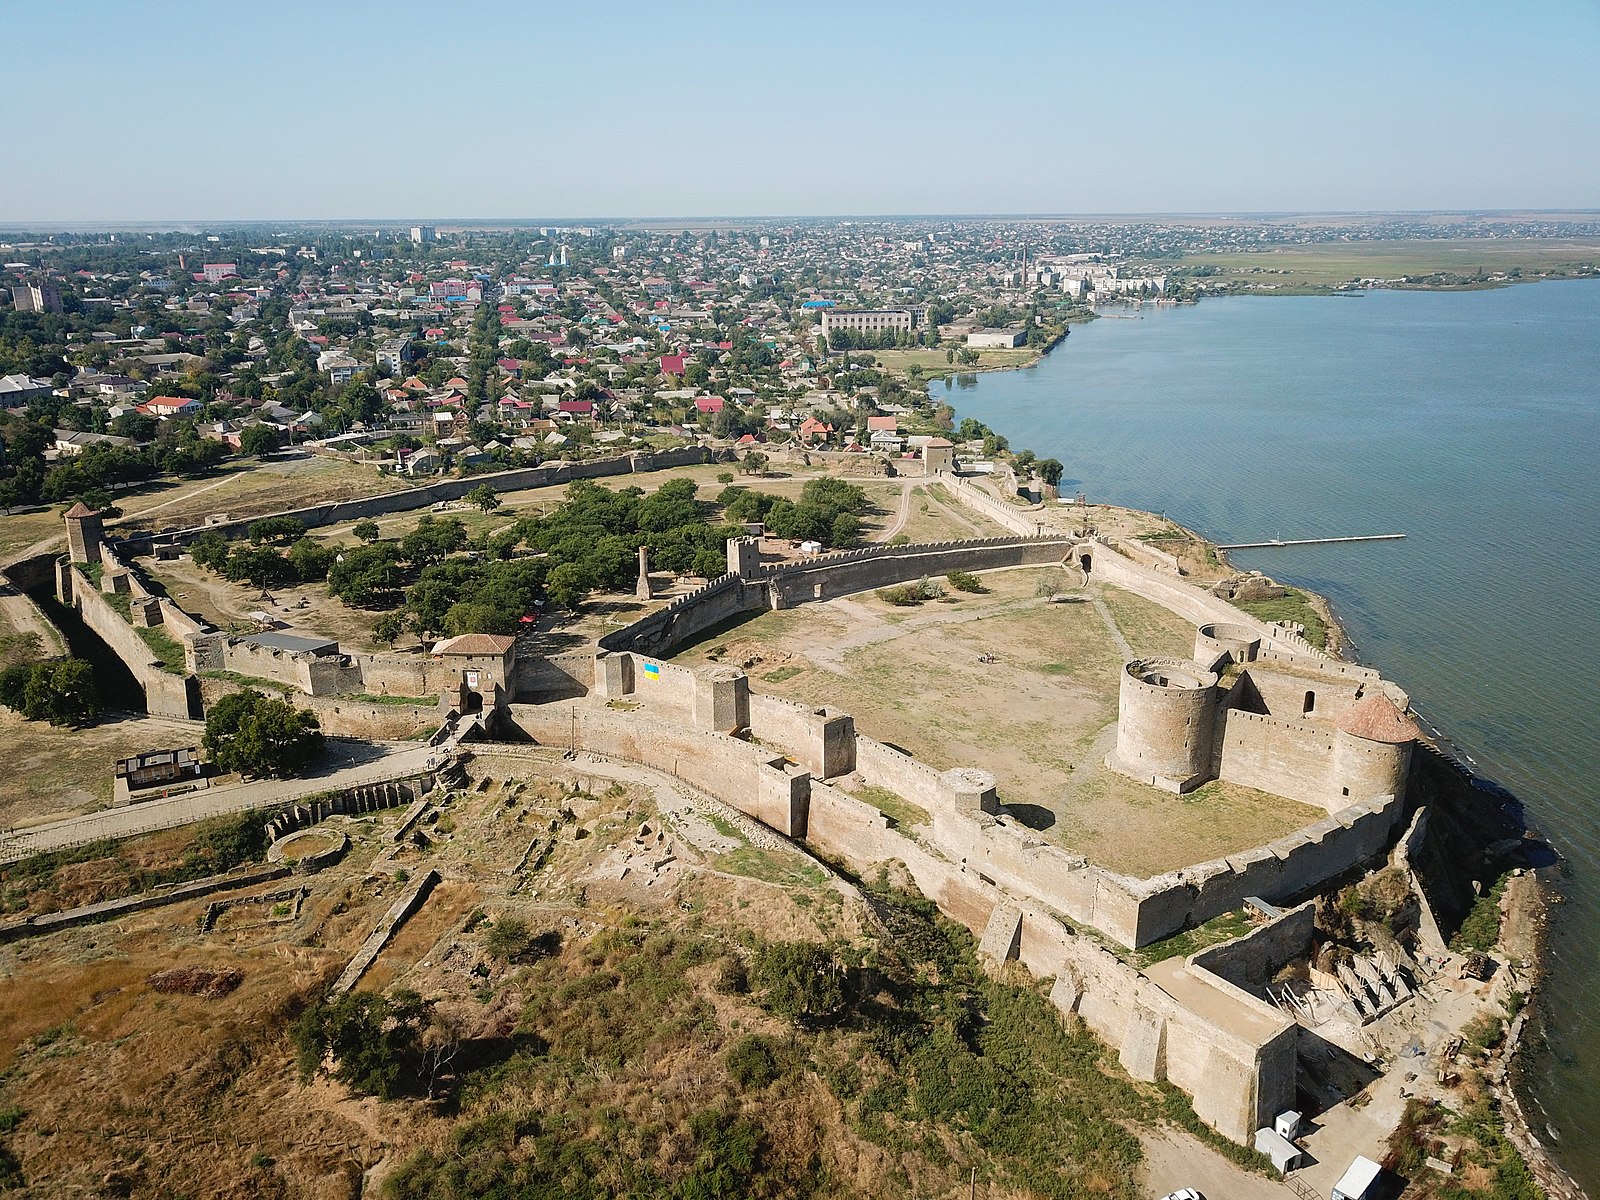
1049,471
259,736
374,1040
484,498
260,566
258,441
363,575
366,531
277,529
61,692
389,627
568,584
310,560
753,463
431,541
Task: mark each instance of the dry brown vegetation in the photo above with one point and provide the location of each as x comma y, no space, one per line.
651,1033
1041,716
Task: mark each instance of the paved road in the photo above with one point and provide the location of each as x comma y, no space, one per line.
350,766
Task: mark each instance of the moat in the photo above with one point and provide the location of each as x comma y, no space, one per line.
1467,420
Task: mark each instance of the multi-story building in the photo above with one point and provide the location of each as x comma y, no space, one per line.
877,320
217,272
394,354
36,297
422,235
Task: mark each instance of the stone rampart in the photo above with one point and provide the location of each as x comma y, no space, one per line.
1237,1080
1272,754
897,772
558,677
1022,521
659,632
1148,555
1250,962
1188,601
165,694
1283,870
848,571
823,740
425,495
752,779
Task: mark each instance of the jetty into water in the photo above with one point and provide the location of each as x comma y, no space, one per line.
1366,537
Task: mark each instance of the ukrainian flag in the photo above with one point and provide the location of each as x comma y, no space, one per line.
652,671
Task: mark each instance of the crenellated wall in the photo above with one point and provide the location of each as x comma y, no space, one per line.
848,571
165,694
428,494
1190,602
1022,521
721,599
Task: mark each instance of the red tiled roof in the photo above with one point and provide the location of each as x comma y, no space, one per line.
476,644
1377,720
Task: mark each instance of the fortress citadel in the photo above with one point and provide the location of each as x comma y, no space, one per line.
1256,705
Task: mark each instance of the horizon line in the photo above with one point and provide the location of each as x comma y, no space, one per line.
25,225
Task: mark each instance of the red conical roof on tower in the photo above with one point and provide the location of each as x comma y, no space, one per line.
1378,720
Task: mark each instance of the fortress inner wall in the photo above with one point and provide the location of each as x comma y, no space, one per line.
165,694
1275,754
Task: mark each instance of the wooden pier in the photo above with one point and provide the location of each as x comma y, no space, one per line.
1276,542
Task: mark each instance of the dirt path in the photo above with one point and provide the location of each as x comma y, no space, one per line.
21,614
344,771
179,499
901,516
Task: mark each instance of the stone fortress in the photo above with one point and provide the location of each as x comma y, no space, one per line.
1257,705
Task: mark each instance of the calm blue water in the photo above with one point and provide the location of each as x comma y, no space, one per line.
1469,421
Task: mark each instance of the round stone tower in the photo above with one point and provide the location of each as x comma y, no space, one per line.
1166,714
1217,643
1371,752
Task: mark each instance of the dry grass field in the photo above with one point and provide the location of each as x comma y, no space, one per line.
1041,716
1329,264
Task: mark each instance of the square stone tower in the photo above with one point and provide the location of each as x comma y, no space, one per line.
84,533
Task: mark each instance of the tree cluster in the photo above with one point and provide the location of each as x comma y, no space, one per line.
828,511
62,691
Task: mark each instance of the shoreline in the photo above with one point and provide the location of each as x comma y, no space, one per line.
1523,941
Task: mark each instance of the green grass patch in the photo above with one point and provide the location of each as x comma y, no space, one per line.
253,681
413,701
1481,929
165,647
1293,605
1219,929
724,826
898,809
755,863
782,673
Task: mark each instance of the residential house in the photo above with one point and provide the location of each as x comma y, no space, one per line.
16,390
163,407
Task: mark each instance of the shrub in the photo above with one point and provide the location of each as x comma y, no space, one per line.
510,939
755,1061
964,581
904,595
798,980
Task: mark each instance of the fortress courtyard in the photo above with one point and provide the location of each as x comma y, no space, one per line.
1019,685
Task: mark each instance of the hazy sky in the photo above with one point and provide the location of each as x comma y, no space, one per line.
345,109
